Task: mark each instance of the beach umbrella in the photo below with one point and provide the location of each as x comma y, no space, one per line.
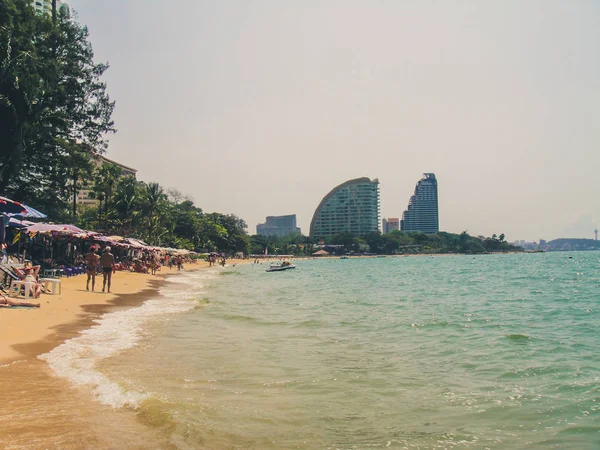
10,207
16,223
50,227
30,212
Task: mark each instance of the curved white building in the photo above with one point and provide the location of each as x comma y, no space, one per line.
352,207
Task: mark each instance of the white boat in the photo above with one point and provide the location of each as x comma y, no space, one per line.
275,267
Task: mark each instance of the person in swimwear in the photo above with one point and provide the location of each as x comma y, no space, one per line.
91,262
29,273
6,302
107,261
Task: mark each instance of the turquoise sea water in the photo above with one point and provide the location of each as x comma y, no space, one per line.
494,351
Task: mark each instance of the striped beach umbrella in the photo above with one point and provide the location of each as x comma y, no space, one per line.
30,212
10,207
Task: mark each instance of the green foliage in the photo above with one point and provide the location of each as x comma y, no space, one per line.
54,116
395,242
54,110
292,244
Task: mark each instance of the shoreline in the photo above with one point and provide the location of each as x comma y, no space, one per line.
26,333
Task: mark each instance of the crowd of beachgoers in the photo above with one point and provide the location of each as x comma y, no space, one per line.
21,280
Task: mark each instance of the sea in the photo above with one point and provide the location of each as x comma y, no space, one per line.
423,352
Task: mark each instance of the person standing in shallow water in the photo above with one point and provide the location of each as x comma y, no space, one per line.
107,261
91,263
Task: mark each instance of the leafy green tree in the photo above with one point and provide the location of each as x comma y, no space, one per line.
59,109
19,81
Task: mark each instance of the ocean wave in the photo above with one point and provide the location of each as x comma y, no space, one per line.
77,359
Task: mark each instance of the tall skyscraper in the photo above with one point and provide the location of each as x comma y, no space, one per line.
45,6
278,226
422,212
352,206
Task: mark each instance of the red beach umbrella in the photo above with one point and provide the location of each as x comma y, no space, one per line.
9,206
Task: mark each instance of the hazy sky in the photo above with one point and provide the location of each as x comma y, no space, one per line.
261,107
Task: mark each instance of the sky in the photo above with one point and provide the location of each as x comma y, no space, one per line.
261,107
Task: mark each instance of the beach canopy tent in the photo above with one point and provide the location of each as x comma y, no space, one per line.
54,228
16,223
116,238
136,243
320,253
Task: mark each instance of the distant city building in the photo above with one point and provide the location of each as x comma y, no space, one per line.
390,224
278,226
83,195
45,6
422,212
352,207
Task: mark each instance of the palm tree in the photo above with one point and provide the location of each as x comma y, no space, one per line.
126,201
155,201
104,182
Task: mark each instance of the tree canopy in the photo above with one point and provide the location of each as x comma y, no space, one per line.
54,107
55,116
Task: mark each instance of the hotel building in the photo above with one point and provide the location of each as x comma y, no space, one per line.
45,6
390,224
83,195
278,226
422,212
351,207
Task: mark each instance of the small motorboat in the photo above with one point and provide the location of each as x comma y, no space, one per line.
275,267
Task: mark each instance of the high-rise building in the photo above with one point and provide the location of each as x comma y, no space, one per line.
83,195
422,212
390,224
352,207
45,6
278,226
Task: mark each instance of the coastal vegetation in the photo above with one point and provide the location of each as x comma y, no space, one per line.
55,112
396,242
55,116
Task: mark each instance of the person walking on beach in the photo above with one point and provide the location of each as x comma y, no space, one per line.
91,263
107,261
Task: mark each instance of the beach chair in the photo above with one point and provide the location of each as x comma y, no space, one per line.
7,275
9,279
51,285
28,288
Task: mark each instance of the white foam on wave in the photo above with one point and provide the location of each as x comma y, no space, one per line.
77,358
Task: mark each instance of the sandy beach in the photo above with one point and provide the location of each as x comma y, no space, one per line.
28,332
43,411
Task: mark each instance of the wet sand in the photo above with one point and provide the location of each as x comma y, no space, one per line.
42,411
